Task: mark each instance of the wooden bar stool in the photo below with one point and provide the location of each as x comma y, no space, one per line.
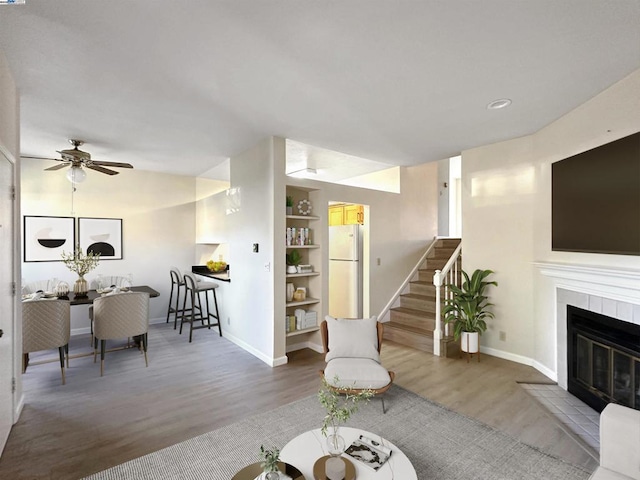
196,312
177,283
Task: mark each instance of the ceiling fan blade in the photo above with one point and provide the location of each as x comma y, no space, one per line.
102,170
42,158
112,164
57,167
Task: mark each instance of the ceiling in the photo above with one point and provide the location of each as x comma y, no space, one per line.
179,87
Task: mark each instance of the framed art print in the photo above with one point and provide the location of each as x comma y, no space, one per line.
45,238
101,235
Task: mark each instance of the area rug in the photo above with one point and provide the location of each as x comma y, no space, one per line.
441,444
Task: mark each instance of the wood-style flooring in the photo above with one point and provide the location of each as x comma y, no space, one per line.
92,423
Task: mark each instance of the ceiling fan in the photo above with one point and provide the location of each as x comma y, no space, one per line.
77,159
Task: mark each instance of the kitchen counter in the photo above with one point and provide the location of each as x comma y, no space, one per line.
205,272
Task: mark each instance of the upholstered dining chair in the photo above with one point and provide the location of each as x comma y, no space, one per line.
45,285
120,315
352,352
107,281
46,325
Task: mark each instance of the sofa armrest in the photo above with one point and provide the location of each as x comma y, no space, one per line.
620,440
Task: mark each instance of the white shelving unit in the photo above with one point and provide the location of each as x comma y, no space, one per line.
311,280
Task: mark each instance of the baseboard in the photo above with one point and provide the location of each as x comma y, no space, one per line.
272,362
546,371
520,359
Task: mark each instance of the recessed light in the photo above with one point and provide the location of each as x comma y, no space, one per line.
498,104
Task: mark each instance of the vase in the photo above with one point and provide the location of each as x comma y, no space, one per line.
335,467
469,342
272,475
80,288
335,444
290,289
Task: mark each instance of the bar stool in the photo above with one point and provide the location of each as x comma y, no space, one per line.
193,290
177,282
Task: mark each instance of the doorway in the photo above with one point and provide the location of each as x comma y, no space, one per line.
348,260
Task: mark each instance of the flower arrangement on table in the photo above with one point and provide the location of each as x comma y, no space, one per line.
269,462
81,264
340,403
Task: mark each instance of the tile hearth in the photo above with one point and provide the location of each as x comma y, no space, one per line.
575,417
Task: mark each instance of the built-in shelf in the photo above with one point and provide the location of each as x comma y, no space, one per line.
310,274
303,246
305,330
306,301
302,217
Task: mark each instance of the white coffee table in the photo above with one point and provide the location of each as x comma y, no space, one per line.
305,449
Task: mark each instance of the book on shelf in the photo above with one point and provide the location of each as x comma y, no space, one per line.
369,452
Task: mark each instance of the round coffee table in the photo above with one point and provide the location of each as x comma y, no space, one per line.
251,472
308,447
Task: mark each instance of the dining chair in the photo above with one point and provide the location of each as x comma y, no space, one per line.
352,352
196,313
45,285
120,315
46,325
107,281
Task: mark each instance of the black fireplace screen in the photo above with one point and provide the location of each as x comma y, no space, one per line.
603,357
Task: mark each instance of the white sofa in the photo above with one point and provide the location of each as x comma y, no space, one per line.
619,444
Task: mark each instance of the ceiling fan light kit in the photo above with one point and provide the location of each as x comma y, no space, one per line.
76,174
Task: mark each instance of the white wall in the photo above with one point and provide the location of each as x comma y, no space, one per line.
250,300
158,213
507,218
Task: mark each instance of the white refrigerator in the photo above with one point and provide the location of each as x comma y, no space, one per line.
345,271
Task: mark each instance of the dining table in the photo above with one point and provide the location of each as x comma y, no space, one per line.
93,294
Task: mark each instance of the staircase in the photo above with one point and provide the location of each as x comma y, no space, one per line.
413,322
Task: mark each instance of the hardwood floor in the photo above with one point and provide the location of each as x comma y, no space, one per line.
92,423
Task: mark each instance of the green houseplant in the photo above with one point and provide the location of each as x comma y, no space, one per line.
269,459
468,308
340,403
293,260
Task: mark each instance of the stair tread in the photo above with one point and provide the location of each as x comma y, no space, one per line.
425,332
418,296
413,311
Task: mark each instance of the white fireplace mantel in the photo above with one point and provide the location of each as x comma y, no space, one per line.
621,284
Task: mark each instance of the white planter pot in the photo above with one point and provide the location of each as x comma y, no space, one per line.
292,269
469,342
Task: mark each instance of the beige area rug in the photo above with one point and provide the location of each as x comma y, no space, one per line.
441,444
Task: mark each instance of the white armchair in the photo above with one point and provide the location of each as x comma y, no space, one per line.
619,444
352,348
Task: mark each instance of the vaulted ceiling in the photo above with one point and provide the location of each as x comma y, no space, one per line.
181,86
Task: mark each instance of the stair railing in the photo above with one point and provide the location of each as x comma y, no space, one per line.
450,274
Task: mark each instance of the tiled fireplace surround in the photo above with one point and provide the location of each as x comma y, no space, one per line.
614,292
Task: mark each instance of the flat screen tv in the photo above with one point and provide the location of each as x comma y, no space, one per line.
596,199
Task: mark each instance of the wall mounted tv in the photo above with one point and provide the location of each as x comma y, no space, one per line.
596,199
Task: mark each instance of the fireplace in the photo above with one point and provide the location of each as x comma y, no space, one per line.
603,359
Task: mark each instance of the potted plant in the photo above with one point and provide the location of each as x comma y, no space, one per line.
81,264
289,205
468,308
340,403
293,260
269,459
